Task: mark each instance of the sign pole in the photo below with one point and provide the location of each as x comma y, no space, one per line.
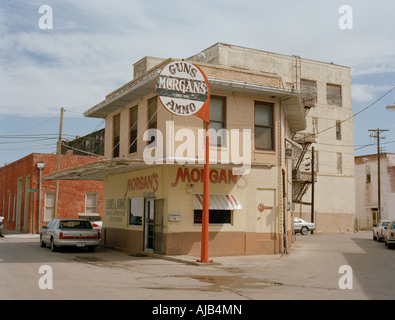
205,211
183,89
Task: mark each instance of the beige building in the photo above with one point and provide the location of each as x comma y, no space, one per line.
366,190
153,184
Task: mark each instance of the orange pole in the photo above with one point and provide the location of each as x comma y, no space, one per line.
205,212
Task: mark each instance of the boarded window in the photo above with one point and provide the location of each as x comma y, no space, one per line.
338,130
308,90
334,94
339,163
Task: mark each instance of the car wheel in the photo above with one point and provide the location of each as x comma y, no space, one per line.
304,230
42,243
389,245
53,246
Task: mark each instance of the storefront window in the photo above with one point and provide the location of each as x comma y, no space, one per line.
136,211
215,216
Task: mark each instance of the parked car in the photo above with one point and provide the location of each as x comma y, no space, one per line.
303,226
94,218
379,230
69,233
1,226
389,235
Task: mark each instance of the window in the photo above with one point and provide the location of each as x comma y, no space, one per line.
133,130
314,123
91,202
152,118
217,121
308,90
334,94
215,216
49,210
116,126
316,166
136,211
264,126
339,163
338,130
368,175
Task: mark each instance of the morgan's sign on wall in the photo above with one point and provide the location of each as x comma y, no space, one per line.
183,89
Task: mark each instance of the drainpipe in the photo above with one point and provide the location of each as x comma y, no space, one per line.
40,166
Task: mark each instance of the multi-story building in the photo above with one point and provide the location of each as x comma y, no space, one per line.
366,190
153,178
27,202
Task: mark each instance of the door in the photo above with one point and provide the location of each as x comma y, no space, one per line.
153,225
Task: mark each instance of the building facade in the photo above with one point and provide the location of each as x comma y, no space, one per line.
23,196
154,160
366,191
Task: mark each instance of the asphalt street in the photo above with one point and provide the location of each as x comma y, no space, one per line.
311,270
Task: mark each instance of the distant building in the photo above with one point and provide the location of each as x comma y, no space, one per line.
91,144
20,183
366,190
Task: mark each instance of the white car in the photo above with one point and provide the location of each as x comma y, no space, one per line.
389,235
69,233
303,226
379,230
94,218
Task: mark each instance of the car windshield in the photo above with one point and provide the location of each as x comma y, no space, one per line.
393,226
75,224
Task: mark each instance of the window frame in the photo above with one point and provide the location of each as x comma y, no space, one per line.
116,144
199,212
133,133
224,141
271,105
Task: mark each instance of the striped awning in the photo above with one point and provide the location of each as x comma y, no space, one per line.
217,202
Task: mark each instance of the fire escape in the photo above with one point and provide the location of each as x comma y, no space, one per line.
302,168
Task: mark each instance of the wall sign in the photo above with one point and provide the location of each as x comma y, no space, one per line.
183,90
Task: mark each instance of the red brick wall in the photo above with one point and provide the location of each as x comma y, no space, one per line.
71,193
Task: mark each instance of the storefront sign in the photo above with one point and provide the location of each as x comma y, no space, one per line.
215,176
149,182
183,89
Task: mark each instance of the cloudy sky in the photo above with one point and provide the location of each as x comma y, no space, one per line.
92,46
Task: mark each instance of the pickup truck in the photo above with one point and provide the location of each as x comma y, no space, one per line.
379,230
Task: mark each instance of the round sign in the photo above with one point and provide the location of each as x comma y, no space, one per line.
182,88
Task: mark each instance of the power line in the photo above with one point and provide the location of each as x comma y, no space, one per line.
372,104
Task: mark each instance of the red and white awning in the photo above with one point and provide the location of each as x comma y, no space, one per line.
217,202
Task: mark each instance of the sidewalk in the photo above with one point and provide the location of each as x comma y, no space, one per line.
15,234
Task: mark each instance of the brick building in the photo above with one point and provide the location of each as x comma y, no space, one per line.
20,183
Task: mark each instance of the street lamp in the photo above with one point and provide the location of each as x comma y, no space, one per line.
390,107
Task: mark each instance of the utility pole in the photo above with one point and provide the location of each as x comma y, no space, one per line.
58,151
376,135
312,184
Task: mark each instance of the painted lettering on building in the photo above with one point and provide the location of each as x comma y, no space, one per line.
149,182
215,176
115,209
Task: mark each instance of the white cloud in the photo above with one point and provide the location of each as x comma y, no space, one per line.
92,48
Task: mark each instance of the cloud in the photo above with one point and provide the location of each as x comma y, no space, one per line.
91,50
367,92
